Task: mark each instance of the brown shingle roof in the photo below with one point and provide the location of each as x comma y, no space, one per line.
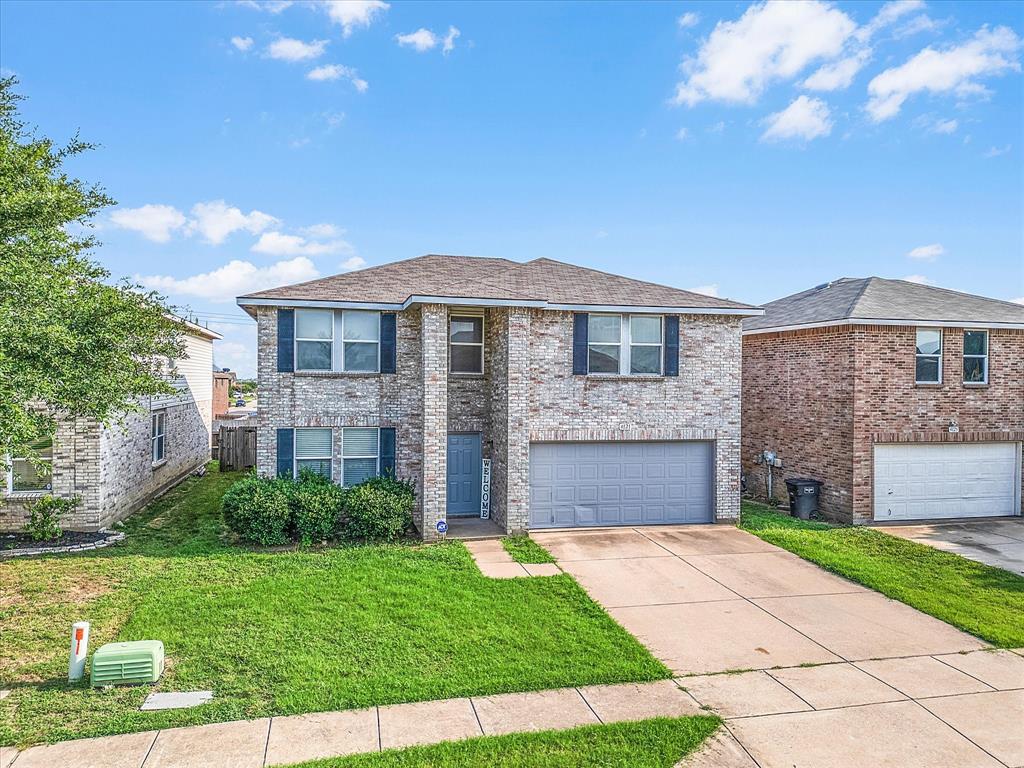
474,277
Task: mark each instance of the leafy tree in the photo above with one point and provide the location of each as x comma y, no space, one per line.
70,344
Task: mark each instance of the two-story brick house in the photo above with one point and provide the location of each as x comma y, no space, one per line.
593,399
906,400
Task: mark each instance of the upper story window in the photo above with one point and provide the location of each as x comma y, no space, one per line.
26,475
625,344
929,356
358,334
976,357
158,436
466,344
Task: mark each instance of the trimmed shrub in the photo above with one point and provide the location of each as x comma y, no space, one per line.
379,509
44,516
317,504
258,510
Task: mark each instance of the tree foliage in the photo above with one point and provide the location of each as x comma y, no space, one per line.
71,344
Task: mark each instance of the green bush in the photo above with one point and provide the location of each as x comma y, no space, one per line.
258,509
317,506
379,509
44,517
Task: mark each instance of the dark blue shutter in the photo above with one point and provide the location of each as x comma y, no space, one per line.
387,342
387,450
285,340
285,451
672,345
580,331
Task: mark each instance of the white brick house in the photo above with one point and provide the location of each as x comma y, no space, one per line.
597,400
114,470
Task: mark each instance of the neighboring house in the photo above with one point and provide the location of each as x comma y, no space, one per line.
906,400
114,470
223,383
593,399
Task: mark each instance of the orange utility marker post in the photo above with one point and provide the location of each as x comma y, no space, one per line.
79,650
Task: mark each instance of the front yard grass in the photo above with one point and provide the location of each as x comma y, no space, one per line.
287,632
985,601
523,549
659,743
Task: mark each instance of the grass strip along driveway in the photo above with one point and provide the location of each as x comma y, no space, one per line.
985,601
659,743
287,632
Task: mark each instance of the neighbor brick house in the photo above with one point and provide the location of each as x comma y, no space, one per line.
115,469
906,400
593,399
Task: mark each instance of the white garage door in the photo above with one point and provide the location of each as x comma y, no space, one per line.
925,481
621,483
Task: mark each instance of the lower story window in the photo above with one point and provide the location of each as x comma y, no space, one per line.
313,451
35,474
359,454
158,436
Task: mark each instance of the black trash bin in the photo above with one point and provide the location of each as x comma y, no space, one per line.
803,496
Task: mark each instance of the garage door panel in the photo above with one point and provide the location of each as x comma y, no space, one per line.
625,483
934,481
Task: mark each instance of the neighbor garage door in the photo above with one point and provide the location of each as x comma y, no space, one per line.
627,483
922,481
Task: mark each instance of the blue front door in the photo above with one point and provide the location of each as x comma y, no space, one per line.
463,475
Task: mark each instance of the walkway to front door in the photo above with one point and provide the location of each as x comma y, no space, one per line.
463,474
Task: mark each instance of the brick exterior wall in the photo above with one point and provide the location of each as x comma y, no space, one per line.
862,393
527,392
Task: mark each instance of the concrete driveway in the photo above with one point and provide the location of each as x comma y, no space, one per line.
998,542
823,672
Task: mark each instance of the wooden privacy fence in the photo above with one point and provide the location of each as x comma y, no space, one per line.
236,447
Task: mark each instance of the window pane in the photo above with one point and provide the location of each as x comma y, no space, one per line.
467,359
31,478
361,326
357,470
645,329
604,329
313,355
929,341
359,442
927,370
645,359
975,342
159,448
467,329
360,356
974,369
604,358
320,466
313,442
314,324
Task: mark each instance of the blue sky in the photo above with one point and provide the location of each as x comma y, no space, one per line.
746,150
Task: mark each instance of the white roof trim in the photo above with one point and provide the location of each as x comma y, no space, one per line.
746,312
882,321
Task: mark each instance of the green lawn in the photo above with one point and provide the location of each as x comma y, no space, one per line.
659,743
525,550
329,629
985,601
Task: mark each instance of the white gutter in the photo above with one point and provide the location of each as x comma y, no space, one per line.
883,321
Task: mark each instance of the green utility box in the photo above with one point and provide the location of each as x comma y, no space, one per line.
141,661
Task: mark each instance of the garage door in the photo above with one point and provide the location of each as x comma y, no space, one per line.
627,483
920,481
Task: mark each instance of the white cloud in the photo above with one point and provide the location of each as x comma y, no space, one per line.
290,49
945,126
153,222
805,118
421,40
242,43
953,69
922,23
682,134
235,278
919,279
889,13
927,252
216,220
706,290
998,151
353,13
771,41
337,72
322,231
837,75
688,19
356,262
449,40
279,244
299,143
718,127
601,234
270,6
239,357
